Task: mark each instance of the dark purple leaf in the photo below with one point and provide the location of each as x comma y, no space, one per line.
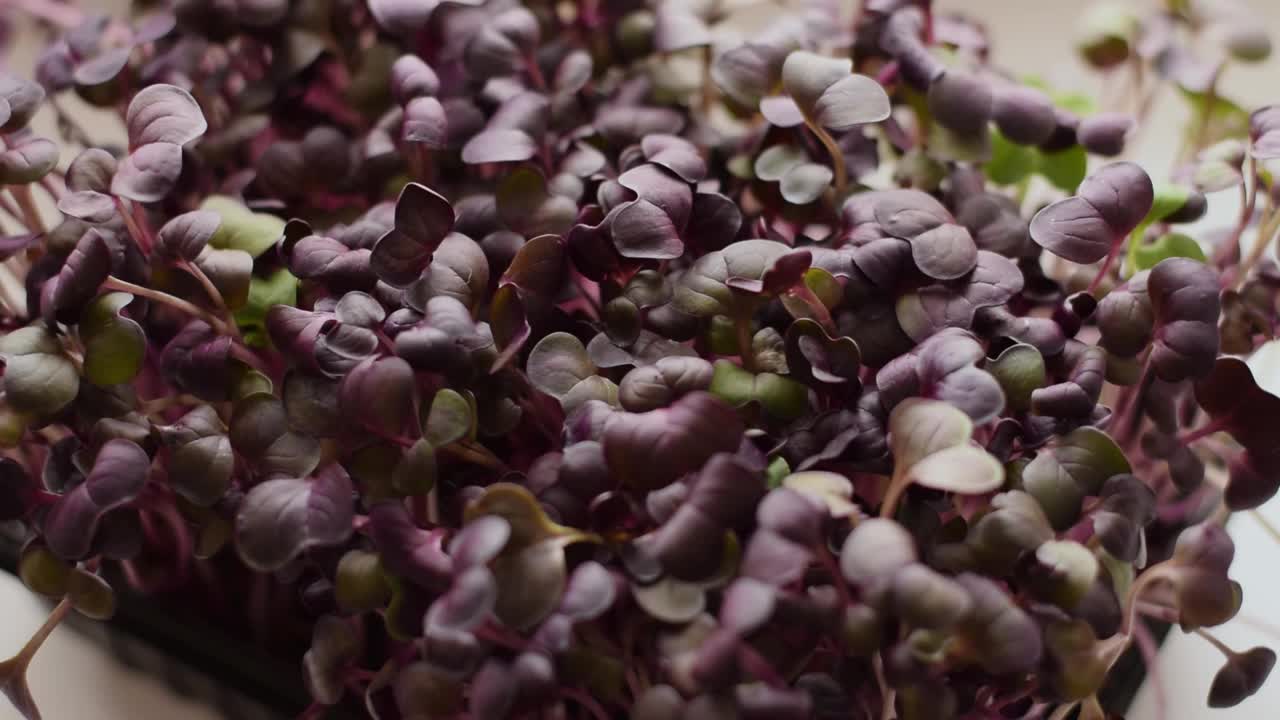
1184,301
86,268
1107,207
961,101
1023,114
282,518
118,474
185,236
650,450
198,360
148,173
260,434
1104,133
378,394
423,218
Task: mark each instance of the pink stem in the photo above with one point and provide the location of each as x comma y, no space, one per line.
1106,265
754,663
1203,431
1149,651
586,701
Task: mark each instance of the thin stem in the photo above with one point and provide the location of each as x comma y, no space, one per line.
13,297
75,132
475,453
30,213
1133,401
707,98
837,157
758,666
115,283
51,186
584,290
892,495
28,651
887,694
1149,651
589,703
1270,529
1222,647
1210,97
811,300
535,73
1063,711
1203,431
1106,265
135,231
1232,245
833,569
1154,573
209,288
7,205
1260,244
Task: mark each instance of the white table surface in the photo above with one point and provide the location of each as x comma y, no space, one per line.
74,679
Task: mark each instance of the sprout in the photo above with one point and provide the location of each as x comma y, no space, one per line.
599,359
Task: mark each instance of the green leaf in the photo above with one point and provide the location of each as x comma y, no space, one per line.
360,584
732,384
1169,198
38,379
1072,571
1020,370
452,417
114,345
1065,168
1169,245
1076,102
278,288
1060,478
777,470
557,363
1010,163
780,396
91,595
1212,122
416,472
949,146
242,228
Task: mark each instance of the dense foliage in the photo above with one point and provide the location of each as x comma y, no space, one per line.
588,359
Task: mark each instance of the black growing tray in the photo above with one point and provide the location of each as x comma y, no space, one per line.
243,682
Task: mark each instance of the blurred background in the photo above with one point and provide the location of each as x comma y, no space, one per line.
74,677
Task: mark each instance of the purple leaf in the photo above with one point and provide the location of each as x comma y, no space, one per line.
163,114
1184,299
650,450
280,519
148,173
118,474
407,550
425,123
1108,206
185,236
643,231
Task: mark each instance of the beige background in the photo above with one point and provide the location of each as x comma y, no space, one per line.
75,679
